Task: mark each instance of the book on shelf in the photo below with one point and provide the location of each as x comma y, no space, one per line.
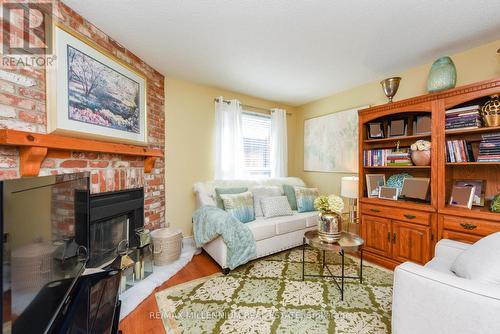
459,151
463,118
386,157
489,148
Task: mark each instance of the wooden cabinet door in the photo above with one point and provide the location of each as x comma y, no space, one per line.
376,232
410,242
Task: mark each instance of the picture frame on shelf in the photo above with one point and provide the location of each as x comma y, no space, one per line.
391,193
397,128
423,125
462,196
376,130
373,183
415,188
93,94
479,193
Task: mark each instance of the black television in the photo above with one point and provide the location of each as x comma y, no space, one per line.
42,260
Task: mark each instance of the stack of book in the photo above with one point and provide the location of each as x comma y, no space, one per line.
463,118
489,148
399,158
459,151
386,157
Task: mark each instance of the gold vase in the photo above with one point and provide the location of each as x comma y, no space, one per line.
490,112
329,226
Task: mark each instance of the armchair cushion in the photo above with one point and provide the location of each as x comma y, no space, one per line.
480,261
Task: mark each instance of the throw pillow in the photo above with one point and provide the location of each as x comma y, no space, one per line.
220,191
239,206
289,192
480,261
260,193
305,198
276,206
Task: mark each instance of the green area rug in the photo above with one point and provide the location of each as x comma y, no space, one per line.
268,296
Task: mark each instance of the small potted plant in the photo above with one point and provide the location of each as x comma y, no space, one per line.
421,153
330,222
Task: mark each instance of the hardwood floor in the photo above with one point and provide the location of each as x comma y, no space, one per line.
140,321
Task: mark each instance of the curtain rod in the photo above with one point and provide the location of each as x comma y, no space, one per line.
248,106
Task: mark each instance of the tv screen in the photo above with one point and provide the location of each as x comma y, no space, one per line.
41,255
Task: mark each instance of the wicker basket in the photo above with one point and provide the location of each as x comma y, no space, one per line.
167,245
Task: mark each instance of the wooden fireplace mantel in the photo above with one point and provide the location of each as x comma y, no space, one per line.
33,148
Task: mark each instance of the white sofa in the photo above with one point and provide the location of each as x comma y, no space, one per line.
272,235
432,299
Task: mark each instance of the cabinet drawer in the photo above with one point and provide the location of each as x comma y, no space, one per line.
412,216
459,236
470,226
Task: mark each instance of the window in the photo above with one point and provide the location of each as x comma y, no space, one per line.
256,130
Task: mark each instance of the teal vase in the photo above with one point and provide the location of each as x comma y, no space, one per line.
443,75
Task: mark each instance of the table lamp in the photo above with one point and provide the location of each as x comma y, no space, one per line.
349,189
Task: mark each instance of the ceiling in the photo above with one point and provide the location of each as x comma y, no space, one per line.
291,51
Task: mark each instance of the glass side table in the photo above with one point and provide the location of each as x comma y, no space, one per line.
348,242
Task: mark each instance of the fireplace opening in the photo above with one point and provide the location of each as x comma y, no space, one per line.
113,217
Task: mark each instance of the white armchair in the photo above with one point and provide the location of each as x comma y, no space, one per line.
432,299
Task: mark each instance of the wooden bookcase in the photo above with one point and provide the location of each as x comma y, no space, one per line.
398,231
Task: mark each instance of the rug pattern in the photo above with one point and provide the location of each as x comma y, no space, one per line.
268,296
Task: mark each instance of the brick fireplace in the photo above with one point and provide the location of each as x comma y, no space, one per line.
24,108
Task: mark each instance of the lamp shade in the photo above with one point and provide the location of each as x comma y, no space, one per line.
349,187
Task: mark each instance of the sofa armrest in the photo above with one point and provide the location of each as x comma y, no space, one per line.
450,249
428,301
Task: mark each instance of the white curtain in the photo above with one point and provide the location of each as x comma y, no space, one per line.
279,150
228,140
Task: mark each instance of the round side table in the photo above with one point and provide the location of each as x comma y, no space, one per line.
348,242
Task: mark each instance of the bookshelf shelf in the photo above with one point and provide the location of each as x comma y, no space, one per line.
395,139
398,167
479,212
473,163
472,131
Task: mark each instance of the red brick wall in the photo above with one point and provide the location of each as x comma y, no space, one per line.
24,108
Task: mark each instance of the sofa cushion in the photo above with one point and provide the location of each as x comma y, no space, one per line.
305,198
287,224
289,192
263,192
220,191
441,265
240,206
262,228
275,207
480,262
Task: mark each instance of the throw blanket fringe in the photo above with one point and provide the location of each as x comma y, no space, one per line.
209,222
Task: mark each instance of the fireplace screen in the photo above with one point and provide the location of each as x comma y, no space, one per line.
105,237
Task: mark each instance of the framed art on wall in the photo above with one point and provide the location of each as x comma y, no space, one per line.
331,142
93,94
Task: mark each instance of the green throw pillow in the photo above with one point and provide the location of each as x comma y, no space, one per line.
305,198
220,191
289,192
239,206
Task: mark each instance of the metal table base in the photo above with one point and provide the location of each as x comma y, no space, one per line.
342,277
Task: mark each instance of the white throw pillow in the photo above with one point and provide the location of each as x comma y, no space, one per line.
481,261
276,206
263,192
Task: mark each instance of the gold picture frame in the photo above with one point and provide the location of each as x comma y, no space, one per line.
114,109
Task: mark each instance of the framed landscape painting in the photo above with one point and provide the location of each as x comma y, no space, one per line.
93,94
331,142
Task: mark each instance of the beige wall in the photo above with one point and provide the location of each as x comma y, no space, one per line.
190,122
477,64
